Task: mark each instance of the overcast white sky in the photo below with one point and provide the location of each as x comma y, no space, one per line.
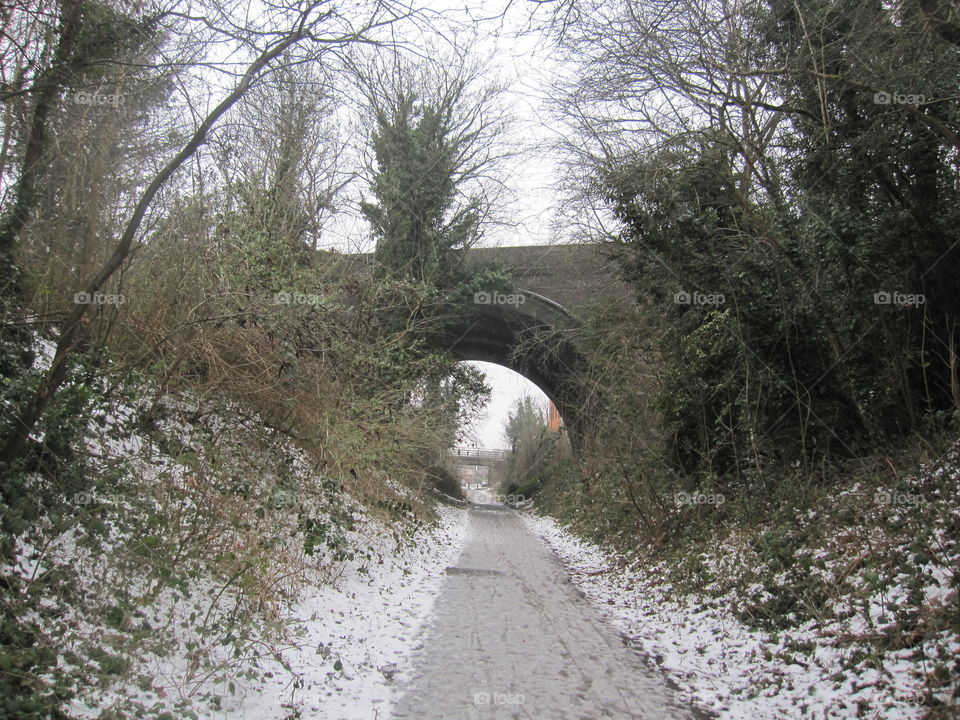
508,386
500,37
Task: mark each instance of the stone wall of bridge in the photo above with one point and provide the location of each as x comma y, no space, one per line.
569,275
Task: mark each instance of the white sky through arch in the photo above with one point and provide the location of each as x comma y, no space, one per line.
508,387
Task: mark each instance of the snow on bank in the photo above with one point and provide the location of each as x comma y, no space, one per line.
722,665
356,635
350,614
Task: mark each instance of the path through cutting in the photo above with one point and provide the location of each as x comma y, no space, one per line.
510,637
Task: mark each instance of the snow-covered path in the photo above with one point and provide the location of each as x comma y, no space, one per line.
511,638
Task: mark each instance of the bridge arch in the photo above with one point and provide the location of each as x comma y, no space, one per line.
536,339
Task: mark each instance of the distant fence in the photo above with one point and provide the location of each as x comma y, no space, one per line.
478,453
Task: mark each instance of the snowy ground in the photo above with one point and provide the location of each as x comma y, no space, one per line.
725,667
354,626
358,635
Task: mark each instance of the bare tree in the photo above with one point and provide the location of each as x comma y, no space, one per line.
316,23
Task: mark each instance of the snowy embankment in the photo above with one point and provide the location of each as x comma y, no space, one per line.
343,620
211,570
818,669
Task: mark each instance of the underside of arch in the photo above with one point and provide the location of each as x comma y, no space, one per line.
523,339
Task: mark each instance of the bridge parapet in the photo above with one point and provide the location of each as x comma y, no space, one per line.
569,275
478,453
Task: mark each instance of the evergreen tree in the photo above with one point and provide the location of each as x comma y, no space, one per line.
432,146
414,219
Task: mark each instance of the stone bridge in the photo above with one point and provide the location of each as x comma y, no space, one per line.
472,459
568,275
534,332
